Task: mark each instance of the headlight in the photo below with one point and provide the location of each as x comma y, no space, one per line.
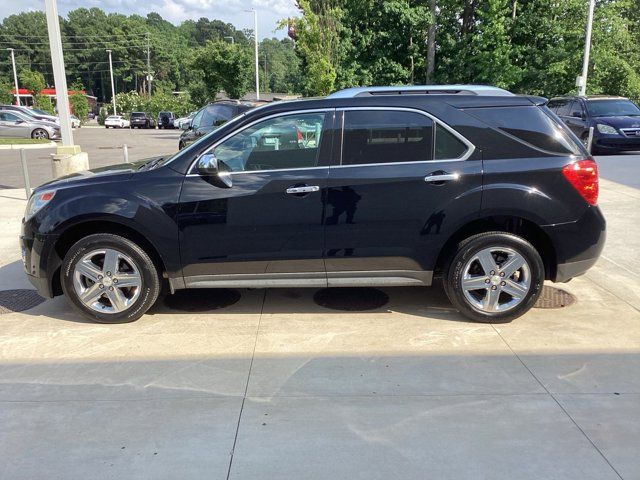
36,202
602,128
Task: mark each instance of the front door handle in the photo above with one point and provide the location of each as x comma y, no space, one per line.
303,189
441,177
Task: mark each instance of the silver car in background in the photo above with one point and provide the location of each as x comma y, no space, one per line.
15,124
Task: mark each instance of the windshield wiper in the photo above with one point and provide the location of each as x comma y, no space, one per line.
151,164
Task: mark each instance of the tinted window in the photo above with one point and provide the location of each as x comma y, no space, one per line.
137,115
215,115
8,117
576,109
286,142
563,108
530,125
610,108
380,136
448,146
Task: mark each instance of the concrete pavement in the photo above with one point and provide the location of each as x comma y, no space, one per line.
277,387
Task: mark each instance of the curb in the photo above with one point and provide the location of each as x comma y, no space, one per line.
28,146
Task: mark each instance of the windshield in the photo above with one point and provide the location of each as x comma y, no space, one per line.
612,108
40,112
136,114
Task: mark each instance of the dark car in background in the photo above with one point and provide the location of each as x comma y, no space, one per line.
488,192
141,120
212,116
165,120
615,121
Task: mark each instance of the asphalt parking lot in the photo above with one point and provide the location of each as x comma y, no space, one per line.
269,384
103,145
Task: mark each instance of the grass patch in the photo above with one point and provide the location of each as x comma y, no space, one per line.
22,141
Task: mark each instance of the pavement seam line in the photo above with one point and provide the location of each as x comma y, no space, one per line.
602,287
558,403
246,387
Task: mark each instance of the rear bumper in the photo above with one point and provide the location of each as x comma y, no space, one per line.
577,244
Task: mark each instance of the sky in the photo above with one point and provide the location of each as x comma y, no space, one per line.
175,11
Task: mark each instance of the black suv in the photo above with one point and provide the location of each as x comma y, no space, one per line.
212,116
141,120
615,121
490,193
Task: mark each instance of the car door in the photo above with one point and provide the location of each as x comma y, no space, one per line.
266,228
402,184
11,125
576,119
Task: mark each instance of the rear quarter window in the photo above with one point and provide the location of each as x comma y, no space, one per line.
529,125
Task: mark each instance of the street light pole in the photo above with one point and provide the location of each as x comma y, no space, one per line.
59,75
582,87
255,39
113,87
15,76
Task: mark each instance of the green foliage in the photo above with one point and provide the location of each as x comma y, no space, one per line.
102,115
127,102
6,97
224,66
33,82
79,102
43,102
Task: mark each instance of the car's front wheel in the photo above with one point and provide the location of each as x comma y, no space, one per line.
494,277
109,278
40,133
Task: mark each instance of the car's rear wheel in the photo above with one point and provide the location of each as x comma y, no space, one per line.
494,277
40,133
109,278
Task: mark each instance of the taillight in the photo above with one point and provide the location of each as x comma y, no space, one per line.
583,175
299,135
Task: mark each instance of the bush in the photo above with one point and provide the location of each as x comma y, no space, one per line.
102,115
79,102
43,102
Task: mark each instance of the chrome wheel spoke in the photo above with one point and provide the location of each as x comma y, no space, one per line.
514,263
89,270
110,261
474,283
117,299
515,289
487,262
128,280
91,294
490,301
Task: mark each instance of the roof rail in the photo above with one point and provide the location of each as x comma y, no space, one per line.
420,90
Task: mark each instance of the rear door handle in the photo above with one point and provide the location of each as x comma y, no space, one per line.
303,189
437,177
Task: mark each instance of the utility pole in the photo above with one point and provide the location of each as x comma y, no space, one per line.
15,76
113,87
255,39
68,157
582,80
149,77
59,75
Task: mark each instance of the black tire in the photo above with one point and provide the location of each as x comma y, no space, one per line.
40,133
467,249
150,287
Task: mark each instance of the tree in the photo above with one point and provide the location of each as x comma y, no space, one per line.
224,66
6,95
78,101
34,83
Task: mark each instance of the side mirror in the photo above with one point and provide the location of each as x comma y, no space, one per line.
185,125
18,122
208,166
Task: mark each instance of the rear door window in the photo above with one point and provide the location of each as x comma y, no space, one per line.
386,136
564,108
529,125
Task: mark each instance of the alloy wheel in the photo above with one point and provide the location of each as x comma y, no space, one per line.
496,279
107,281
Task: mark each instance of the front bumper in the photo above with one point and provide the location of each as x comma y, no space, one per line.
616,142
577,244
40,259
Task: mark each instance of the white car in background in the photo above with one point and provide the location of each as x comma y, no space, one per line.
75,121
180,122
116,121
